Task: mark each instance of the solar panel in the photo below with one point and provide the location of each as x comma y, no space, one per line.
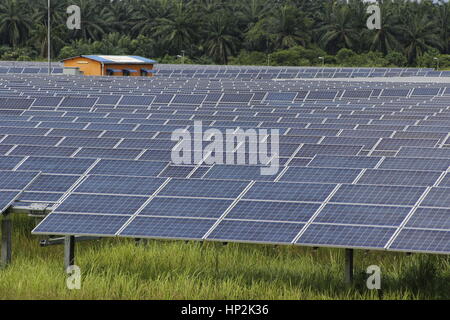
273,211
16,180
344,161
320,175
78,102
346,236
8,163
255,231
128,168
437,197
86,224
430,218
371,194
396,177
289,191
186,207
120,185
105,204
57,165
136,100
53,183
362,215
238,173
6,199
203,188
168,228
422,240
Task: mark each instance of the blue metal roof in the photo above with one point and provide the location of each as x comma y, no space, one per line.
110,59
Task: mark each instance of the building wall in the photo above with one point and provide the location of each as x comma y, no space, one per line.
136,67
94,68
87,66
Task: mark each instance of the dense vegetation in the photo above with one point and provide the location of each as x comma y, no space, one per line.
276,32
179,270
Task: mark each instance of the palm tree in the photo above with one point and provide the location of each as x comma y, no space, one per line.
177,31
15,24
288,25
93,24
221,38
386,39
340,31
443,20
420,34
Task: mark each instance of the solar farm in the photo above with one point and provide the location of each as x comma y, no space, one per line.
364,162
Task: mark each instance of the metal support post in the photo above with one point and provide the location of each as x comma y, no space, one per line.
6,254
348,266
69,251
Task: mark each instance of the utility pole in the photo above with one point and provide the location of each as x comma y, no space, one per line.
48,40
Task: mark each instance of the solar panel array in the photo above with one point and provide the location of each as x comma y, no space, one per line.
363,165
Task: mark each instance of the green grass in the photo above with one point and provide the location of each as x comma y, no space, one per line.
119,269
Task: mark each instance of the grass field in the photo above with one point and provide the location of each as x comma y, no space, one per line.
119,269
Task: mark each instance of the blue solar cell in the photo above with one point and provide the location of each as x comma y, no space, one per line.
189,98
6,199
281,96
437,197
320,175
396,144
148,144
53,183
8,163
43,151
346,236
185,207
128,168
78,102
344,161
396,177
16,180
173,171
32,140
235,97
255,231
289,191
203,188
362,215
157,155
168,228
80,224
107,204
412,152
47,101
104,153
310,150
136,100
422,241
120,185
229,172
321,95
70,133
394,195
432,218
273,211
46,197
57,165
415,164
445,181
89,142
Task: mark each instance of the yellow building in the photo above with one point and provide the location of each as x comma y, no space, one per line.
104,65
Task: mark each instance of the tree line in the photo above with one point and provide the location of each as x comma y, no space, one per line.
275,32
